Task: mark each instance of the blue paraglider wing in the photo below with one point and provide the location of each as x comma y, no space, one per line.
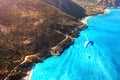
87,43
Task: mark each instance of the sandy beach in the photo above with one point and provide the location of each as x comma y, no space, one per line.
84,20
106,11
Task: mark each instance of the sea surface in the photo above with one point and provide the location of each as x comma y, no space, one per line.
97,61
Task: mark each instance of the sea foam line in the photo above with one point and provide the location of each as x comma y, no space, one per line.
84,20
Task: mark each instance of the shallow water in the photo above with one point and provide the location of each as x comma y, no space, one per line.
100,61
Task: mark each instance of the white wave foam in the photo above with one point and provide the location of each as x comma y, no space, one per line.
106,11
84,20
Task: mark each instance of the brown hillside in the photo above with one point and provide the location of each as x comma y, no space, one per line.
29,27
69,7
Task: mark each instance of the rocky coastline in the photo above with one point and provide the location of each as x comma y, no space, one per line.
59,48
22,52
23,70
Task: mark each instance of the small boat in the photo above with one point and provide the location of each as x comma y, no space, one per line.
87,43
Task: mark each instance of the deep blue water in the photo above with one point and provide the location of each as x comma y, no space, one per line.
98,62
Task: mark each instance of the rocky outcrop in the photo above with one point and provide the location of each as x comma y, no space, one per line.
67,41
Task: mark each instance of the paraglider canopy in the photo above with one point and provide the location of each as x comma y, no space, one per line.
87,43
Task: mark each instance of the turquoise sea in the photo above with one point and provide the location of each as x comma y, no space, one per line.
100,61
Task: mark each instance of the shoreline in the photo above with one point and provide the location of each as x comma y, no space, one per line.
63,47
106,11
83,21
28,74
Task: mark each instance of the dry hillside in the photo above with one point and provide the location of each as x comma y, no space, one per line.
29,27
